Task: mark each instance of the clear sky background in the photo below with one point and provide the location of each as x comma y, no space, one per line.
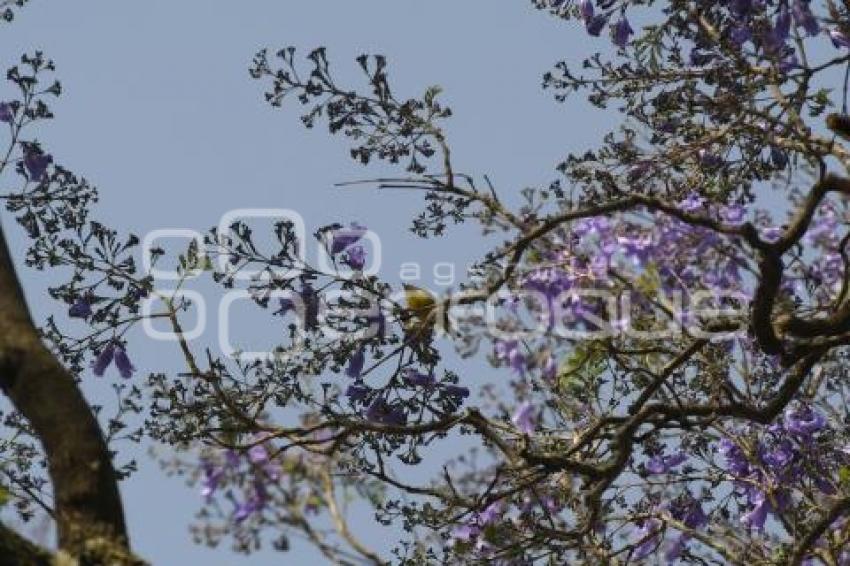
159,112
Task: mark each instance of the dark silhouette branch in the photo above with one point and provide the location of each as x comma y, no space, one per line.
89,513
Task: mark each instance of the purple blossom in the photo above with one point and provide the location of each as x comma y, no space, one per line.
456,392
103,360
355,257
382,412
342,238
648,536
787,63
248,508
412,377
6,114
122,362
637,247
36,162
509,351
586,9
258,454
491,514
357,392
80,309
756,517
355,364
782,27
525,418
733,214
804,17
772,234
741,34
735,458
622,31
211,479
839,39
660,464
595,24
465,533
803,421
692,203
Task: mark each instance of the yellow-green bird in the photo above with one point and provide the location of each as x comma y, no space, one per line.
422,310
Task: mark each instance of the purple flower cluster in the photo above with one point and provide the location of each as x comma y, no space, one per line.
766,465
256,463
113,352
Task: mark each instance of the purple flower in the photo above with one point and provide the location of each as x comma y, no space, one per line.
80,309
491,514
355,257
258,454
595,24
804,18
692,203
586,9
103,360
621,33
6,114
357,392
637,247
509,351
740,34
412,377
382,412
286,305
757,516
771,234
525,418
122,362
663,464
735,458
456,392
212,477
342,238
248,508
465,533
839,39
733,214
355,364
36,163
782,28
648,535
778,458
803,421
788,62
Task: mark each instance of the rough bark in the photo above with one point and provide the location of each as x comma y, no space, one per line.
15,550
88,508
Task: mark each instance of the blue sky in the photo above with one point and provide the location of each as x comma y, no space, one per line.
159,112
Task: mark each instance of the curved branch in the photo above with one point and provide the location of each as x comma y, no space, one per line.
89,512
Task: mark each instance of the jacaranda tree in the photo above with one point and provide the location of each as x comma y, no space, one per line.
673,310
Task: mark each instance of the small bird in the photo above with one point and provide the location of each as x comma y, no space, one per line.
839,124
422,309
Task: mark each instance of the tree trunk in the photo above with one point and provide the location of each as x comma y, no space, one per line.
89,513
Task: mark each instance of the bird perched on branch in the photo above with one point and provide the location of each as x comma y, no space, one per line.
422,310
839,124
